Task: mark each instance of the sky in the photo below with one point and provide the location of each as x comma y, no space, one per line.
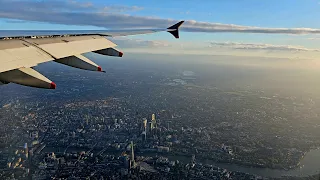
271,28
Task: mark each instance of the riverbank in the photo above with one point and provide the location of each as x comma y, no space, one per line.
242,163
309,165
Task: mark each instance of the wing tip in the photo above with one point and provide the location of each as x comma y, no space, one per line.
174,29
176,26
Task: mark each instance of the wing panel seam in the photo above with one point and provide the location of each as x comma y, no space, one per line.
36,46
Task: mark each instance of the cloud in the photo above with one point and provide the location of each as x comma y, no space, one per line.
255,46
72,12
121,8
57,6
194,26
125,42
15,21
314,38
77,4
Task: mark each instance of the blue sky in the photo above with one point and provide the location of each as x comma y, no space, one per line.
270,15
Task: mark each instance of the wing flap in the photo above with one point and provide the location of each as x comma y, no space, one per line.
65,49
21,57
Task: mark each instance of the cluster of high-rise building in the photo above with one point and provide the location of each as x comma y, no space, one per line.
149,128
109,130
20,156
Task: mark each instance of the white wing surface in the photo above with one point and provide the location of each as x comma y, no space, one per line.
18,54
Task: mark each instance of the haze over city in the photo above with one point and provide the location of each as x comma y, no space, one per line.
236,96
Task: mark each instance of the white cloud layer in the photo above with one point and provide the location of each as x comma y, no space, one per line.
257,46
214,48
125,42
72,12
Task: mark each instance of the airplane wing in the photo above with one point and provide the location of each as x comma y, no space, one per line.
18,54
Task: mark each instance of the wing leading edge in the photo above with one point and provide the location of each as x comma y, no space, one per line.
21,52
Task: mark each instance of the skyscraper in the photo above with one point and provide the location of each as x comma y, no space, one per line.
132,155
153,120
144,123
26,151
150,128
87,118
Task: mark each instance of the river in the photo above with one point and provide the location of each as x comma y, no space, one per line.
309,165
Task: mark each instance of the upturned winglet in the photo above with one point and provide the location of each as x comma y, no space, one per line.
174,30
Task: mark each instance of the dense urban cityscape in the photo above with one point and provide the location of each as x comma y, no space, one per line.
149,121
